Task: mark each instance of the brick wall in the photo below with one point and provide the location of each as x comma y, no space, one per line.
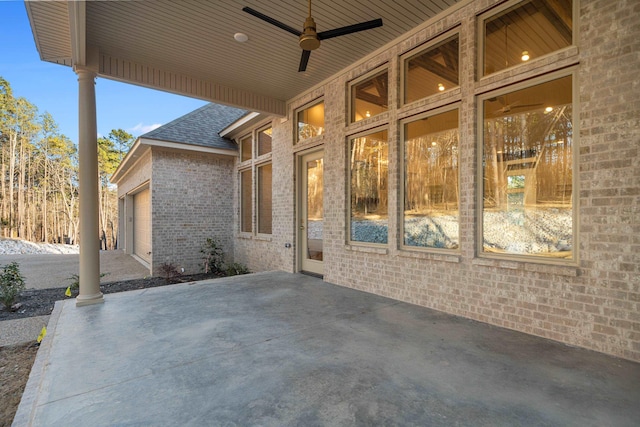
190,198
594,303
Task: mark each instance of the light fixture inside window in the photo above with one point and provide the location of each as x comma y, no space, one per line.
433,143
525,55
440,87
240,37
367,114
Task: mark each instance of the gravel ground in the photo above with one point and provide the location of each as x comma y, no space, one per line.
17,246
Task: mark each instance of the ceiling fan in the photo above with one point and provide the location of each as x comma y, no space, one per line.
309,38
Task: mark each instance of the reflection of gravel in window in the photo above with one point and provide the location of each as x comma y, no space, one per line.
314,230
432,232
529,231
522,232
374,231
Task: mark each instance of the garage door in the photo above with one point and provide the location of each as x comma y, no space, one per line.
142,225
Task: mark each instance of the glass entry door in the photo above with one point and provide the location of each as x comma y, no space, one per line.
311,212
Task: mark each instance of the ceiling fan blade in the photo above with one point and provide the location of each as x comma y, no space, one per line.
349,29
304,60
271,21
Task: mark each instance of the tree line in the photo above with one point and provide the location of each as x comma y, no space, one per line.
39,176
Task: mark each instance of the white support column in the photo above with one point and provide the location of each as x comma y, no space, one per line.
88,191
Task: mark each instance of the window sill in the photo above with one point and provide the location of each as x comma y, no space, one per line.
381,119
431,256
367,249
244,236
558,270
263,237
309,143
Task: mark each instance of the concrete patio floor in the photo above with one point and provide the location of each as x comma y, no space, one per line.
288,349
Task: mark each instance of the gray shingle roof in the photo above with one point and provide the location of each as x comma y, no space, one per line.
200,127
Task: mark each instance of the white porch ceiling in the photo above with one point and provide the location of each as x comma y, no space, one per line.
187,46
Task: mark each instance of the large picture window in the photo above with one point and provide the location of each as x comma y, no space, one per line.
258,167
246,216
525,31
264,141
245,148
431,182
310,122
264,198
527,171
433,70
369,188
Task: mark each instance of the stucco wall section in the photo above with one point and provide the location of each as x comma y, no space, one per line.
596,302
190,198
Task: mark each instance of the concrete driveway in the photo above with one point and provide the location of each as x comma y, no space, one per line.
277,349
54,270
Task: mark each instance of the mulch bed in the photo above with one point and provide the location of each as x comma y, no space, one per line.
40,302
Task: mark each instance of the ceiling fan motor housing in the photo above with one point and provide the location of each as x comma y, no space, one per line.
309,38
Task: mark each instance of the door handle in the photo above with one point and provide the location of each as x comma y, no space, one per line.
302,227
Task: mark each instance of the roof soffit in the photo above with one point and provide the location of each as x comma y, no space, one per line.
187,47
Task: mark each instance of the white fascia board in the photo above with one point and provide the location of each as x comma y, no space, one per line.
128,159
188,147
141,144
238,124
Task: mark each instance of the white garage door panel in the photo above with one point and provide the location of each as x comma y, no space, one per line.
142,225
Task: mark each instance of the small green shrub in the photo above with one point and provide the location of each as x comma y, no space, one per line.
212,257
236,268
75,281
11,284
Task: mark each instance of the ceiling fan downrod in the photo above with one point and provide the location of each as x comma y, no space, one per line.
309,38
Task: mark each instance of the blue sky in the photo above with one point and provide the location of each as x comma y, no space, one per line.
54,88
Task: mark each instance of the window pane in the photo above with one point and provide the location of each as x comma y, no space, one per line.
432,71
369,97
526,31
245,148
264,141
245,201
369,188
311,121
527,152
264,199
431,182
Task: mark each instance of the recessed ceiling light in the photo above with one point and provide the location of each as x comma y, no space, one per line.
548,109
525,55
440,87
241,37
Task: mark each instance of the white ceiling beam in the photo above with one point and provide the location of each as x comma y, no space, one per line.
78,32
